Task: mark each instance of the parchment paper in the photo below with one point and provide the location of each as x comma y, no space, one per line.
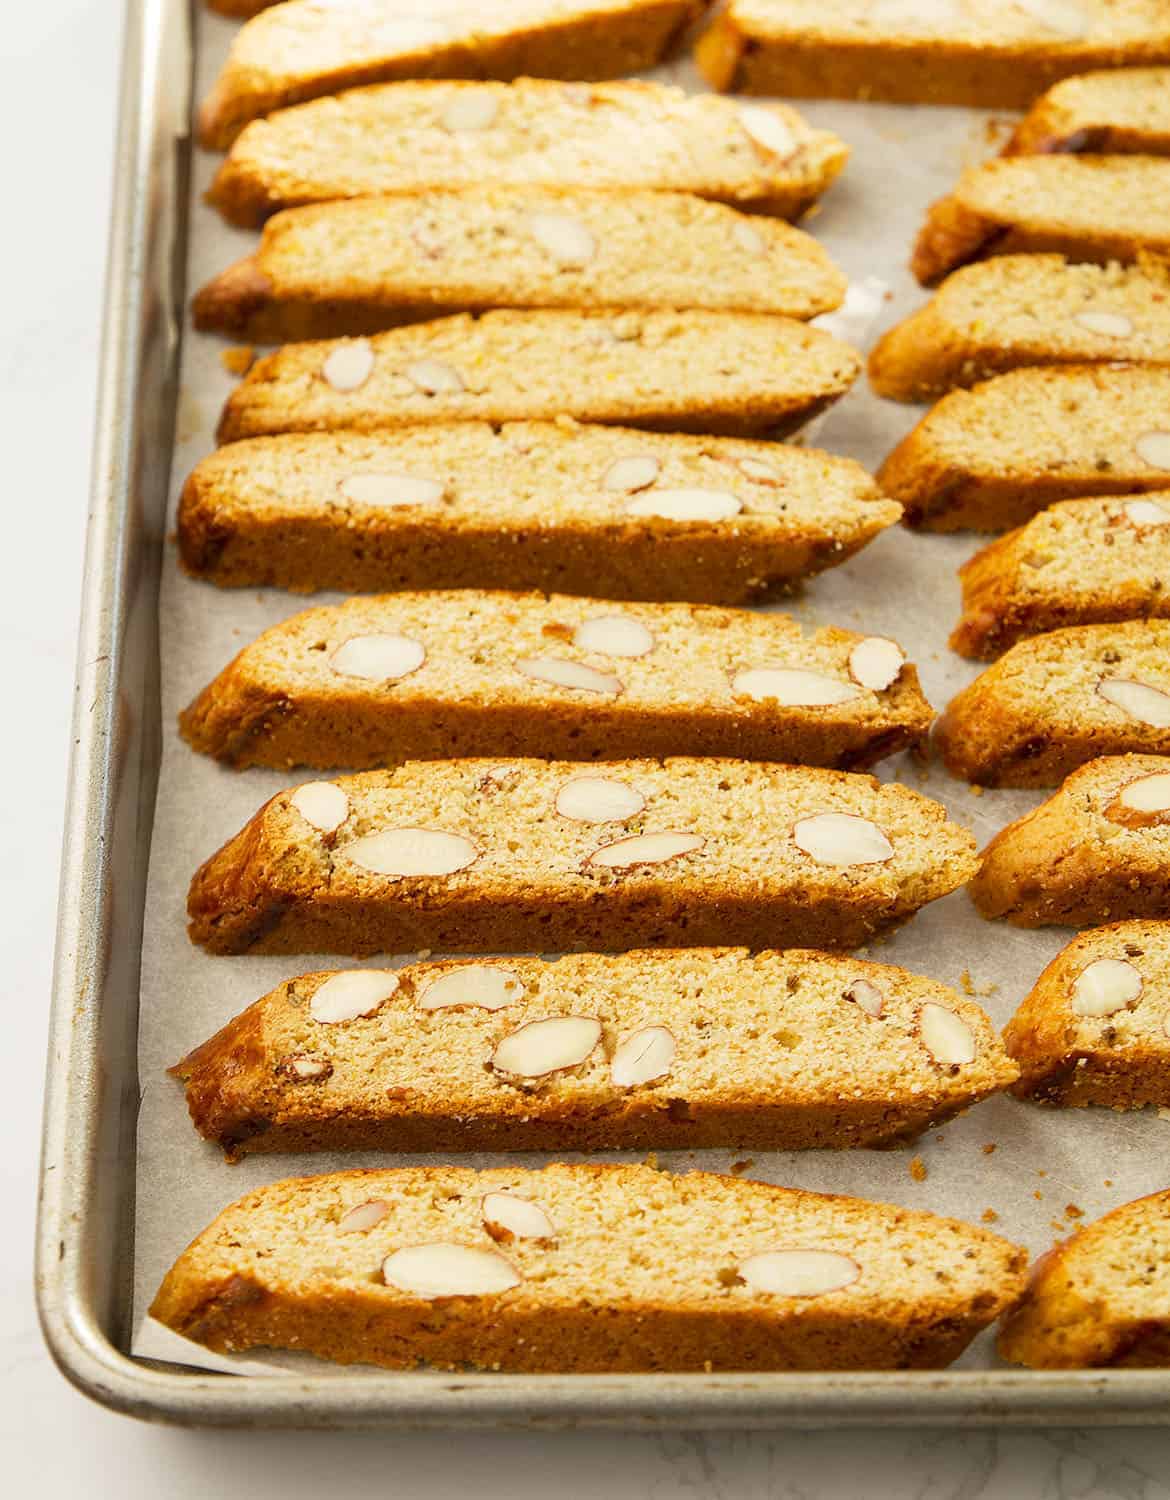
1046,1163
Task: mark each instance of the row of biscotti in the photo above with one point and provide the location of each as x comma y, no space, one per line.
997,55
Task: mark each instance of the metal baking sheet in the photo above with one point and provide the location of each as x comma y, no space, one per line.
126,1182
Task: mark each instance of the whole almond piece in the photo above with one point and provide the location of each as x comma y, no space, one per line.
637,472
686,505
1105,986
613,635
321,803
565,238
391,490
645,849
470,109
483,986
541,1048
876,662
946,1036
446,1270
1148,794
597,799
768,130
1110,324
363,1216
433,377
508,1216
352,993
1140,700
840,839
794,687
378,658
399,852
569,674
643,1057
799,1273
349,366
866,996
1153,448
1146,513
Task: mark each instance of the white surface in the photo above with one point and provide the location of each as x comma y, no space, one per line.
58,65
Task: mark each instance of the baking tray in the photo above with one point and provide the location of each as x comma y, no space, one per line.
86,1219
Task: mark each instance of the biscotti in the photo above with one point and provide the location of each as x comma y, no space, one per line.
1090,208
1095,1028
1025,310
435,137
1099,1299
372,263
498,856
1096,851
434,675
577,1268
676,1049
1057,700
588,510
735,374
989,56
991,457
1114,112
1081,562
306,48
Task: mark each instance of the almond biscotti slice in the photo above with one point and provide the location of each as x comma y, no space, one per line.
503,855
576,1268
599,511
1081,562
1126,110
1090,208
1099,1299
674,1049
433,675
736,374
1095,1028
1025,310
372,263
1055,701
989,54
306,48
436,137
1098,850
991,457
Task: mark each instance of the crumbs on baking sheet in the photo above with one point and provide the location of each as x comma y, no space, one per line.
967,982
1108,1182
738,1167
1073,1211
976,791
989,1148
238,359
1038,1195
990,1216
917,1169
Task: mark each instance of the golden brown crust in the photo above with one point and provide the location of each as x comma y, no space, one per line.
765,1075
1074,861
1106,113
279,886
230,1290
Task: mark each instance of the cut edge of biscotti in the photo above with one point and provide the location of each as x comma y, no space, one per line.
985,215
483,855
548,1270
975,460
1084,114
1054,701
702,363
659,1048
471,672
291,160
1094,852
1083,1310
291,289
258,76
1072,313
1007,596
1095,1027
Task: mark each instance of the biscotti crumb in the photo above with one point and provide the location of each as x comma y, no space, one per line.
738,1167
917,1169
966,982
989,1216
989,1148
1072,1211
238,359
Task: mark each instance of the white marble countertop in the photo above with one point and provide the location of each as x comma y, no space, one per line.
58,75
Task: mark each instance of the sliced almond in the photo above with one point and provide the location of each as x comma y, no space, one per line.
1112,325
508,1216
686,505
645,849
321,803
569,674
363,1216
565,238
876,662
1153,448
643,1057
799,1273
613,635
445,1270
470,109
1148,794
793,687
761,473
391,489
597,799
350,365
353,993
1146,513
866,996
767,129
433,377
1105,986
484,986
1061,17
636,472
541,1048
946,1036
304,1069
840,839
748,237
1140,700
378,658
399,852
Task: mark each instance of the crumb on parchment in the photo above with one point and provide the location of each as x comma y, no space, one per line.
738,1167
1072,1211
989,1216
989,1147
967,982
917,1169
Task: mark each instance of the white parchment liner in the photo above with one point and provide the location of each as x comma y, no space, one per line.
904,585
